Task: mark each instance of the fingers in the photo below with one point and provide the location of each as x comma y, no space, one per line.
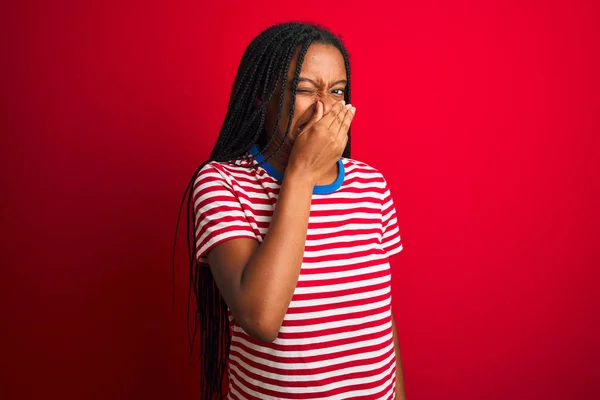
317,115
345,125
338,118
333,115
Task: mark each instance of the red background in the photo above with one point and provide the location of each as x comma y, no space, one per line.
483,118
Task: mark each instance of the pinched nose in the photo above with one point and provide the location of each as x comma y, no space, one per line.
328,104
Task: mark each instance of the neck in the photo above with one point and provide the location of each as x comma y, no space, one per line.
280,160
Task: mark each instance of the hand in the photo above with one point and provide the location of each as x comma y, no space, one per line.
322,142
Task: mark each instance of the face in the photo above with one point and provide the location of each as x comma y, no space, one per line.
322,78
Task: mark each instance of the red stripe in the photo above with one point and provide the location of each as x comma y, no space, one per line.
336,257
335,318
342,269
307,371
343,304
320,344
378,395
314,395
337,245
334,234
321,382
314,358
339,293
344,279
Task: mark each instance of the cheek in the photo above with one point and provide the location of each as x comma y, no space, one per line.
300,107
303,104
303,107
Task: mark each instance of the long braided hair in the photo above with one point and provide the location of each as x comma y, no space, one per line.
263,68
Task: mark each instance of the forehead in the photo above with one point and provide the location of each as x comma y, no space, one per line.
322,62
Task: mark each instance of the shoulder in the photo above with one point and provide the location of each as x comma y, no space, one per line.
228,171
356,168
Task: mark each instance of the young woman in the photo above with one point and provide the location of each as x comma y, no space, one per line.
289,237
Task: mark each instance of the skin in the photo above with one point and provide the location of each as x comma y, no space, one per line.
323,79
400,393
257,282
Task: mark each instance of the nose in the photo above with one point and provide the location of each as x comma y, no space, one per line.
328,103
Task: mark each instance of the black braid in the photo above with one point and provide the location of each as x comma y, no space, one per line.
267,96
263,67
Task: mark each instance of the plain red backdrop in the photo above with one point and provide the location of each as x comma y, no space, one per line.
483,116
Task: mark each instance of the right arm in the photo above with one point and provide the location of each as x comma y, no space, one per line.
258,282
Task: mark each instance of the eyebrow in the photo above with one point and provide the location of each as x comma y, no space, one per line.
316,84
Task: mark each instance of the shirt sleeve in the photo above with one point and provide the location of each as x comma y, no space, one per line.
391,242
218,211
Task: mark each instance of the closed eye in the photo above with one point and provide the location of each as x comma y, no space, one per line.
337,92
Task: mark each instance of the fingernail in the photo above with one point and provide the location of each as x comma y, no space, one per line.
348,106
353,110
343,103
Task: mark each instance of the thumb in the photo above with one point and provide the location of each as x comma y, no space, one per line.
318,114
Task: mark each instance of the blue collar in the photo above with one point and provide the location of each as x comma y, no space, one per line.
322,189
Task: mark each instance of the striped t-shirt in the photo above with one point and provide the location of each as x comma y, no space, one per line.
336,339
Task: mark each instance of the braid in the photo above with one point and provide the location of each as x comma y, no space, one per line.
280,66
269,53
303,51
283,79
263,67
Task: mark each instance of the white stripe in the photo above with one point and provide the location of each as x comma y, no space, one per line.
341,286
336,311
252,207
321,388
340,250
343,261
375,237
342,217
333,337
391,233
314,364
389,203
234,391
340,228
355,228
214,204
339,299
325,219
221,215
315,378
347,206
340,396
395,250
389,217
343,274
225,225
232,233
335,324
363,193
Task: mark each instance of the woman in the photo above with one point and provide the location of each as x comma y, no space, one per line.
289,238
